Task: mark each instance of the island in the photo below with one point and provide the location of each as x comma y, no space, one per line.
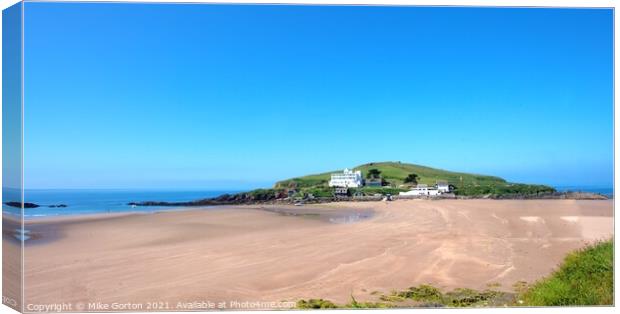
378,180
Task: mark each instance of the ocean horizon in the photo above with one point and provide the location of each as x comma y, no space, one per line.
99,201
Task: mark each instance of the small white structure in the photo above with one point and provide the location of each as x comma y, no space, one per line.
443,187
347,179
421,190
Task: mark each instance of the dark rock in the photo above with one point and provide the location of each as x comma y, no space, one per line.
19,205
271,196
539,196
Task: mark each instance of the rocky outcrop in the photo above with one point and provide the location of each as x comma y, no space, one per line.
274,196
225,199
19,205
538,196
33,205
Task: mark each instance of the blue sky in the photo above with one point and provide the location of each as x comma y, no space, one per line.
218,96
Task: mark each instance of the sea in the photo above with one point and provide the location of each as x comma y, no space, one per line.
98,201
86,201
604,190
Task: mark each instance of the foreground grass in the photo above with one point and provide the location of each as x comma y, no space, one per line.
585,278
429,296
421,296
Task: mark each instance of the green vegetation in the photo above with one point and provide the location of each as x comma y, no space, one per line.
373,174
306,181
503,189
315,304
263,194
320,191
395,174
427,295
585,278
366,305
379,190
422,296
468,297
411,178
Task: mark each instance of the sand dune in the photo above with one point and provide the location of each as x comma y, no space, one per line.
245,254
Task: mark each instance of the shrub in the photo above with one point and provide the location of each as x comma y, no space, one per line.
366,305
503,189
382,191
423,293
320,191
463,297
315,304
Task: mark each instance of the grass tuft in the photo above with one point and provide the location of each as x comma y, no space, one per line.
425,293
316,304
366,305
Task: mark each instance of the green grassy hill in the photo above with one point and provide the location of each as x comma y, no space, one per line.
396,172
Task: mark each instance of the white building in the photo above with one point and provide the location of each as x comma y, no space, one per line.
443,187
347,179
421,190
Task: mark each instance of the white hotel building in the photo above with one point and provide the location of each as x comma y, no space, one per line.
347,179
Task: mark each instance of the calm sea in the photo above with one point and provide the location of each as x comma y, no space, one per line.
101,201
607,191
115,201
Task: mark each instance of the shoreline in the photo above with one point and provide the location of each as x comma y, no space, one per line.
98,215
242,199
281,209
76,217
41,230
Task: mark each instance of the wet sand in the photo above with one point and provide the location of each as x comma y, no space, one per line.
269,254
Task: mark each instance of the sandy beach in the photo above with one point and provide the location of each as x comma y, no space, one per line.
329,251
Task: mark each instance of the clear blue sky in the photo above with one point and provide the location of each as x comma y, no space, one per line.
215,96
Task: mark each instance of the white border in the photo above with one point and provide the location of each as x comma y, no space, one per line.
493,3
